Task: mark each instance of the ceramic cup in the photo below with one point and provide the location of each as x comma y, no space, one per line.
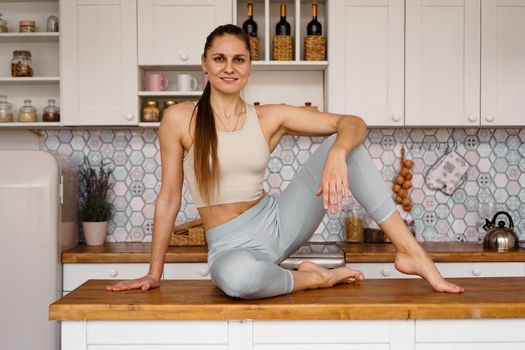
157,82
186,82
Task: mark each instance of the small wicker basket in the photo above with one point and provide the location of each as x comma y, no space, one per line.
189,233
314,48
282,48
254,48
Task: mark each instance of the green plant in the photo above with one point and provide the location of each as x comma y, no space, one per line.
94,186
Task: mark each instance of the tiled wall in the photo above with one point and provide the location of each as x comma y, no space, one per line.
496,175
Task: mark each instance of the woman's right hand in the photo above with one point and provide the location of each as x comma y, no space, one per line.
143,283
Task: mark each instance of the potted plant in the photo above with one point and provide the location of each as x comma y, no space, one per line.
95,209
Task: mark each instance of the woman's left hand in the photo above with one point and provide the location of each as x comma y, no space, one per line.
334,183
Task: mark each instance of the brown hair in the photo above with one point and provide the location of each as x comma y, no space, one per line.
206,163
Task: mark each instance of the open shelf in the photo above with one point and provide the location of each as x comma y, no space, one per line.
29,37
37,125
154,125
29,80
170,93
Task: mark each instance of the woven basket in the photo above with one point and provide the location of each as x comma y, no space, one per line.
189,233
282,48
254,48
314,48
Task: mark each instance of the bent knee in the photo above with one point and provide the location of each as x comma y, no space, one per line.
233,272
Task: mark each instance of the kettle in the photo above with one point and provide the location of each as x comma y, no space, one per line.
500,238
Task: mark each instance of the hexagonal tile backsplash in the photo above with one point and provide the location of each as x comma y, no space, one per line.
495,179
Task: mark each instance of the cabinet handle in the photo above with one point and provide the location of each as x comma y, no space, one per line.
386,272
204,271
476,272
472,118
396,118
129,116
113,273
184,56
489,118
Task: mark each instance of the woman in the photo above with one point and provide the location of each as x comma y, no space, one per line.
222,145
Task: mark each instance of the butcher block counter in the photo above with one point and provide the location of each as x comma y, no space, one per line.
354,253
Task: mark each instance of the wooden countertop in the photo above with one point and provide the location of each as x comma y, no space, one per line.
368,300
354,252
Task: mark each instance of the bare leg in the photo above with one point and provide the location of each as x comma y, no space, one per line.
312,276
411,258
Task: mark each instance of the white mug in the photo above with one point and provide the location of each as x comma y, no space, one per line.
186,82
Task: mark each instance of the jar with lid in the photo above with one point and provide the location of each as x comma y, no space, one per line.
353,223
167,105
52,24
27,113
51,112
6,111
151,112
21,64
3,25
26,26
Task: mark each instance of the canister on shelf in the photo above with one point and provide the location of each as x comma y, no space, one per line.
26,26
151,112
27,113
353,223
52,24
21,64
51,112
3,25
167,105
6,111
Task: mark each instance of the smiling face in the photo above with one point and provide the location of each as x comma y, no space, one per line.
227,62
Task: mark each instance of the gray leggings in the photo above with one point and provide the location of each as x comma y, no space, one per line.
244,252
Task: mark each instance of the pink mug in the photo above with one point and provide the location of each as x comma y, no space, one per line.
157,82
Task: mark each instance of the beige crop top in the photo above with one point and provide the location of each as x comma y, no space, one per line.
243,156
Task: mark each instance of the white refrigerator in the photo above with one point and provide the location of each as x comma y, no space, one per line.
37,222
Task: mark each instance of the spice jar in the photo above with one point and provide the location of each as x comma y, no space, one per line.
167,105
26,26
353,223
52,24
6,112
3,25
27,113
51,112
21,64
151,113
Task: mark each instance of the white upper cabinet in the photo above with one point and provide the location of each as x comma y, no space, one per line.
443,62
366,54
173,32
99,62
503,62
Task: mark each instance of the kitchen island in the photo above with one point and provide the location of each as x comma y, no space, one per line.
374,314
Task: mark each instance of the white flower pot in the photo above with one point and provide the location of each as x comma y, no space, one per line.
95,232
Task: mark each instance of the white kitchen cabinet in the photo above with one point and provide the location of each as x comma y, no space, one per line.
99,62
186,271
503,62
173,32
366,54
442,62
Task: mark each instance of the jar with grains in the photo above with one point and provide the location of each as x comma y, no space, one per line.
27,113
167,105
26,26
21,64
151,112
6,111
353,223
3,25
51,112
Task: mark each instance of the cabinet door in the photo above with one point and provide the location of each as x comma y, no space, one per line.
442,62
503,62
99,62
366,72
174,31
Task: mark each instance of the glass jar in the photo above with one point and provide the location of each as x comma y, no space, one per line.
21,64
51,112
151,112
167,105
27,113
353,223
3,25
6,111
52,24
26,26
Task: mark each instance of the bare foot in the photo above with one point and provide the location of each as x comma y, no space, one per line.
330,277
423,266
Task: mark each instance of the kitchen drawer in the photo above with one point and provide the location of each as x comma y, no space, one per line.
379,270
76,274
186,271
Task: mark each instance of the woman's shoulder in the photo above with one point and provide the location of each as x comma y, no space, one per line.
273,109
